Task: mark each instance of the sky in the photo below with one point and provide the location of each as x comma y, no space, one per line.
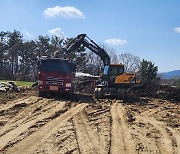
149,29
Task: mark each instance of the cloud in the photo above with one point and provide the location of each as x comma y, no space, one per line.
177,30
65,12
116,42
57,32
28,34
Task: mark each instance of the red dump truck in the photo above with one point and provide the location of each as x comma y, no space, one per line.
56,76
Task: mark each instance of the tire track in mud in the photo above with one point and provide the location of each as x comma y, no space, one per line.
87,137
176,137
19,113
121,138
8,138
165,138
142,143
88,131
33,141
62,141
10,115
152,135
9,110
41,125
10,104
92,127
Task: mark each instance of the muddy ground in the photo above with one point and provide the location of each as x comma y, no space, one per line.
31,124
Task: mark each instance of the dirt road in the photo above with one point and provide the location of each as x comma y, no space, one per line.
29,124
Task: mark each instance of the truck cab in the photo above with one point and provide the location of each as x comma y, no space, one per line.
56,76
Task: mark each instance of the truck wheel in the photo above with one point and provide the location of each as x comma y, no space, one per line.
70,95
98,93
120,94
41,94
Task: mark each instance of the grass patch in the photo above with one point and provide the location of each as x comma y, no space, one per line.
20,83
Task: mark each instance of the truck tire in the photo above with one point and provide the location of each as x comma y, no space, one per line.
98,93
41,93
120,94
71,94
95,93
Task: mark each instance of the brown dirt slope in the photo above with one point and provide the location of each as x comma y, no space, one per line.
31,124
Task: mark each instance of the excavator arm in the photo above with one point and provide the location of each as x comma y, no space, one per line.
83,40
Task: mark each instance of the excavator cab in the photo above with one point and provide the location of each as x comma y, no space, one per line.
111,72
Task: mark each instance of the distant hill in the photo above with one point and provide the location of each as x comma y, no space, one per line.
171,74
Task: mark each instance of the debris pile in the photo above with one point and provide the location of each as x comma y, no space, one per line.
9,86
84,84
158,91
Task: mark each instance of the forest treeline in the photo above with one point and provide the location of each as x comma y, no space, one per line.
19,57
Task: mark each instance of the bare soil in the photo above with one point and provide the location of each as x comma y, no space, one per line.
31,124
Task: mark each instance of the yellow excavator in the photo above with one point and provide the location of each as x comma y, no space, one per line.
113,81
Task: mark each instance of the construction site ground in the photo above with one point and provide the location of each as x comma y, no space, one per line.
31,124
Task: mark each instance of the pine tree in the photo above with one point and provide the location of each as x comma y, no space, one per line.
148,72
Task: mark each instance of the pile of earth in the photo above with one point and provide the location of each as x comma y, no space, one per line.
9,86
157,91
84,84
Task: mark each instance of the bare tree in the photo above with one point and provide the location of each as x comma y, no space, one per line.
94,63
112,54
130,61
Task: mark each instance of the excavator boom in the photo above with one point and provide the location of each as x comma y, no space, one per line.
83,40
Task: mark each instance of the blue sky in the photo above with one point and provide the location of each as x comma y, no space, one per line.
149,29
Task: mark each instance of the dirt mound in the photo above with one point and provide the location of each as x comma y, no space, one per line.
84,84
151,90
157,91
